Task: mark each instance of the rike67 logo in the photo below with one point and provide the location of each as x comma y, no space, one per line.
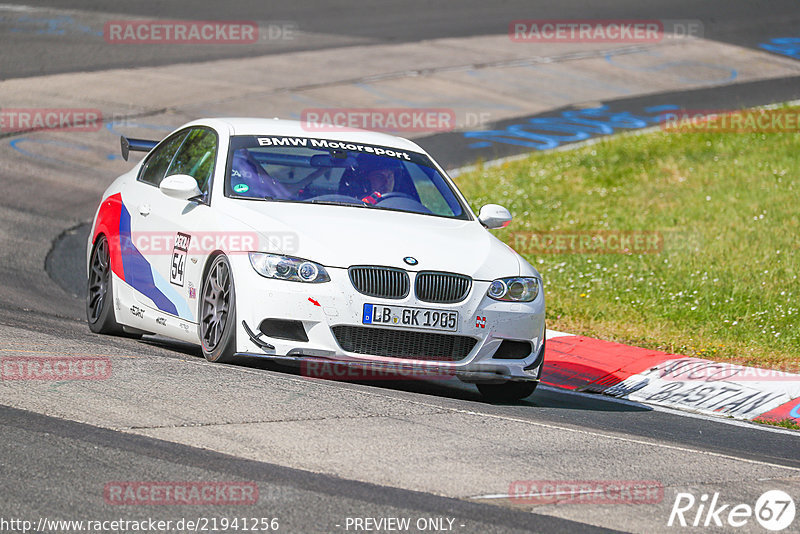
774,510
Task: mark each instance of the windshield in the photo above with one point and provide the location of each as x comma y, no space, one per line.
299,169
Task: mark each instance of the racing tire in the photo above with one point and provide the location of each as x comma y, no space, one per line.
100,293
508,391
218,312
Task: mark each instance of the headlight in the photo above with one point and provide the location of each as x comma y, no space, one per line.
288,268
514,289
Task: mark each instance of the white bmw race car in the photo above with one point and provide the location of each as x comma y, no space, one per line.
256,237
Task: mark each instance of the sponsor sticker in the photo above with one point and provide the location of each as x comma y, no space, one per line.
192,290
178,264
328,144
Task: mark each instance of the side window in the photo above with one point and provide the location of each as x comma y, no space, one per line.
158,162
196,157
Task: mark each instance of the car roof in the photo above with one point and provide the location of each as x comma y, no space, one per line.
290,128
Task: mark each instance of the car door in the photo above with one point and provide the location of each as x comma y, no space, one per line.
170,229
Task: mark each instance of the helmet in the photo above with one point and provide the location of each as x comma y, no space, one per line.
355,180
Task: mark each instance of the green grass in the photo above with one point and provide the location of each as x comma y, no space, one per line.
725,284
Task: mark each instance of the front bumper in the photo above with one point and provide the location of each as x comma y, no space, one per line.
320,307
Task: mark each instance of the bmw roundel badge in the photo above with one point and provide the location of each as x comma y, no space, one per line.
411,261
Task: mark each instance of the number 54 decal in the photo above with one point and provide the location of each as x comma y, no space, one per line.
179,259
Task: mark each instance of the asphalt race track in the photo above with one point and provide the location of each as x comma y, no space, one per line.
352,23
321,452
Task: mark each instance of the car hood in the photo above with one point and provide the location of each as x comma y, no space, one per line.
341,236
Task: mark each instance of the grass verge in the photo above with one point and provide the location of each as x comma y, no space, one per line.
726,206
783,423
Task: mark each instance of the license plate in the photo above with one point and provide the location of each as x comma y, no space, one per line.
379,314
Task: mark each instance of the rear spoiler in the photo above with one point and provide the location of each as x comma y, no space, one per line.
137,145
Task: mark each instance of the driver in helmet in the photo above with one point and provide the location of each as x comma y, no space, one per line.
372,178
379,182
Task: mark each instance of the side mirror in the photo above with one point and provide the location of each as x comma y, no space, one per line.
493,216
180,186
